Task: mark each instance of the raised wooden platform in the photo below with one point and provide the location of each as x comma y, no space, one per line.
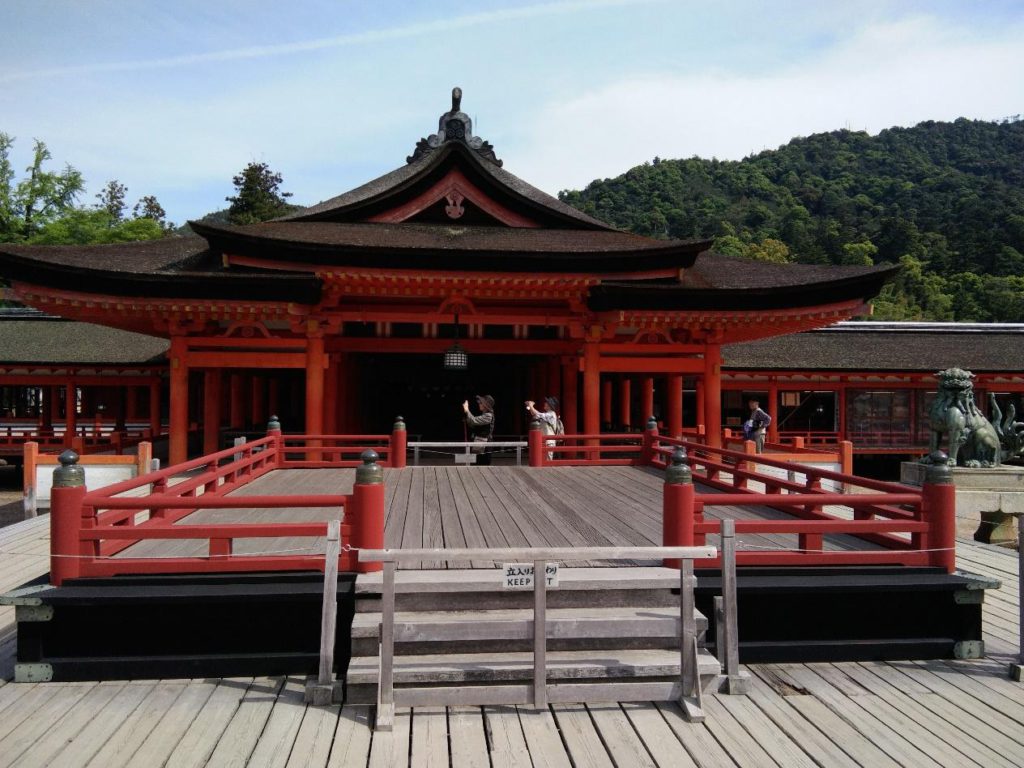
946,713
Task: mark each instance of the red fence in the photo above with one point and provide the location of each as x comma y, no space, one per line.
92,532
906,525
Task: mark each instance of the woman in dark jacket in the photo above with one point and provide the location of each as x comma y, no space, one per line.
480,427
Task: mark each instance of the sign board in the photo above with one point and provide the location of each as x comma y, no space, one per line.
520,575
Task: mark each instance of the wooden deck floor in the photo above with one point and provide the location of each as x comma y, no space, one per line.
945,713
449,507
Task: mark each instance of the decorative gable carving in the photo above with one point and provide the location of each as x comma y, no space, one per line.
454,125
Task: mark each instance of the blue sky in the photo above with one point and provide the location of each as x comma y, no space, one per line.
173,99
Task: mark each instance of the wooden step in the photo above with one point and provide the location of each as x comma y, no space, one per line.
484,669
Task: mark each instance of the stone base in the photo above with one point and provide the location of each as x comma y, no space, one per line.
984,490
997,528
1017,672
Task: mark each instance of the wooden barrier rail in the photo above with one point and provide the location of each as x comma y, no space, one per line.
540,693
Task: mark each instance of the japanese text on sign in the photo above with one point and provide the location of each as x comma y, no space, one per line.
520,575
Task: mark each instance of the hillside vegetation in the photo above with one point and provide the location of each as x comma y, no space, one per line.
945,200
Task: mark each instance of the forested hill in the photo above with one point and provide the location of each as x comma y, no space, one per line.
944,199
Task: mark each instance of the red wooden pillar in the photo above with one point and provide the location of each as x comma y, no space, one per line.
606,403
236,401
625,401
131,403
273,396
713,395
70,411
646,398
773,411
841,406
591,388
700,404
314,385
212,392
331,395
49,398
554,378
257,407
341,394
570,373
674,404
178,427
154,409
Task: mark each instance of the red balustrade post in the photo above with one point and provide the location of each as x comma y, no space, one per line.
535,441
367,518
649,451
274,430
938,502
398,444
66,519
677,506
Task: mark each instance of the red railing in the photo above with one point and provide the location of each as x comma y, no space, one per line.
92,532
905,525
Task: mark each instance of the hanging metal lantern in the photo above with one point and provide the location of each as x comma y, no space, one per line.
455,357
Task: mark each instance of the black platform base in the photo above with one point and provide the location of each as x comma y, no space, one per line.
851,613
219,625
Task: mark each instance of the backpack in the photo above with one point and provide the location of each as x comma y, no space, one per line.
558,429
761,419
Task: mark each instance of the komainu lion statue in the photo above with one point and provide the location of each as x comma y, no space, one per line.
973,441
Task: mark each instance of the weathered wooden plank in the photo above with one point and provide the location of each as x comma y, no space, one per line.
390,749
412,535
581,739
204,731
429,738
27,732
128,733
162,740
508,743
239,738
468,740
658,738
751,741
695,737
277,736
433,528
542,740
351,739
624,744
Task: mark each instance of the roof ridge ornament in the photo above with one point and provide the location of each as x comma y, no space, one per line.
454,125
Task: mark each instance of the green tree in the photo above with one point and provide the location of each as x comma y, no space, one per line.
149,207
37,199
90,227
112,199
258,195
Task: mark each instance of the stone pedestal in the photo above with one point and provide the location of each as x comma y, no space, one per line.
986,499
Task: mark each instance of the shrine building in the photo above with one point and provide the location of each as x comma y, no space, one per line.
445,278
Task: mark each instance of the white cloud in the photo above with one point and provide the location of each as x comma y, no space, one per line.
885,75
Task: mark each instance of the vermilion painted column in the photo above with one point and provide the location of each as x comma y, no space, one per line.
257,410
341,394
625,401
70,411
606,402
570,374
773,411
591,388
674,404
713,395
554,383
178,440
315,385
700,402
212,393
331,395
154,409
646,398
273,395
236,401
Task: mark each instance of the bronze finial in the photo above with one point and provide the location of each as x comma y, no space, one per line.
456,99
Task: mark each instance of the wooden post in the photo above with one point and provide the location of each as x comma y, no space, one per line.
143,458
31,453
773,411
399,443
535,439
314,385
691,699
70,412
154,409
178,427
540,650
211,410
591,389
274,430
386,680
368,500
647,397
736,682
625,401
66,519
322,694
938,499
674,405
606,404
1017,669
677,506
236,402
648,453
713,395
570,375
330,425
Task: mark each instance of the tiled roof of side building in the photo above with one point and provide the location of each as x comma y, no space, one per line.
890,347
63,342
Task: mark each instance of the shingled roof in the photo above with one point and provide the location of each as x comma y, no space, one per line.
867,346
49,341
